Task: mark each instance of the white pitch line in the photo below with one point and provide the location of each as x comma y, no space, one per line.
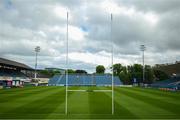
89,90
77,90
102,90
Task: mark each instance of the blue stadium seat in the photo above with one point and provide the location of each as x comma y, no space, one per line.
12,73
169,83
84,80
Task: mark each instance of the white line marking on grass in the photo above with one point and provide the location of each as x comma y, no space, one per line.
77,90
89,90
102,90
108,114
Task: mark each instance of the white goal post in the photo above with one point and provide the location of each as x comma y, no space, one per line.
67,67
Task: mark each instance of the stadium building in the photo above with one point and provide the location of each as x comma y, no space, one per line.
62,71
172,70
13,74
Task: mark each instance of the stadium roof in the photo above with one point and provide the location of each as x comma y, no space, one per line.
11,63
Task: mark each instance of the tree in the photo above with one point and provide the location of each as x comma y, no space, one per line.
49,73
100,69
128,73
81,72
71,71
125,77
138,72
117,68
160,75
46,72
122,72
56,72
149,74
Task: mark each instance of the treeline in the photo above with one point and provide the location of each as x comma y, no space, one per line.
71,71
51,73
129,73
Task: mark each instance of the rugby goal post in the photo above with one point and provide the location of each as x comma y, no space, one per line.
67,67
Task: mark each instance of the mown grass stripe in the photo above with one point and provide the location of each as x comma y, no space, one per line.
150,99
14,89
166,94
44,103
19,95
99,103
61,107
164,97
130,103
78,102
121,111
23,100
139,107
157,96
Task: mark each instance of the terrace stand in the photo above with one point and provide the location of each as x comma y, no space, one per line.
67,62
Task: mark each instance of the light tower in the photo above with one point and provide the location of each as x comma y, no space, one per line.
37,49
143,48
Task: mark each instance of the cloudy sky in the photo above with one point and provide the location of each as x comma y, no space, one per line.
25,24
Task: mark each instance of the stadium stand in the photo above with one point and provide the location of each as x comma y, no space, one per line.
171,84
169,69
13,74
84,80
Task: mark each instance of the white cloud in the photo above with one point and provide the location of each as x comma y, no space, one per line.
111,7
100,58
152,18
41,33
31,23
76,33
118,9
61,11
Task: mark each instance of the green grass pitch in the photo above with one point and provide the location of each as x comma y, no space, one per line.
49,102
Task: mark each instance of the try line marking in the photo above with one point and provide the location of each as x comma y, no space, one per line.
89,90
